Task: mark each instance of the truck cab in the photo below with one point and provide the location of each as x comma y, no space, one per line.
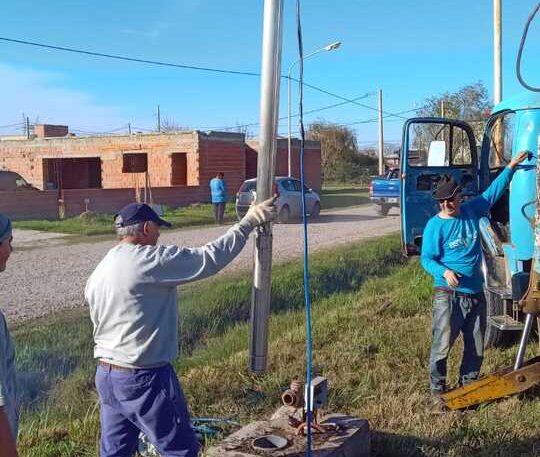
433,147
384,191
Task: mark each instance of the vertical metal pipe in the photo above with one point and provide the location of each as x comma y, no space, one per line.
381,135
523,342
269,111
289,152
497,51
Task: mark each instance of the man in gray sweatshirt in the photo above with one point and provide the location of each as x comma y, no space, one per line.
9,411
133,306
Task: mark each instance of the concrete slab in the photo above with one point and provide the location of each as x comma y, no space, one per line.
352,439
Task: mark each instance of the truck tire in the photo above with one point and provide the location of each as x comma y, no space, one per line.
382,210
495,337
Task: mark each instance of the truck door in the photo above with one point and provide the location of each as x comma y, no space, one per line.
431,148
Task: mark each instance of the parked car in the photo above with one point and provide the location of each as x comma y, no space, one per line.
9,180
384,191
289,198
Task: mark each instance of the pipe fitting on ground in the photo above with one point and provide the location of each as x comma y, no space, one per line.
294,395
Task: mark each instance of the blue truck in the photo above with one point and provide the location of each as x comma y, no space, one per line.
384,191
433,147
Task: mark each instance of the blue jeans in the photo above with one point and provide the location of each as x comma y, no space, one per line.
455,312
143,400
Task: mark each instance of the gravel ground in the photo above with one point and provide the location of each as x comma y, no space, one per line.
47,273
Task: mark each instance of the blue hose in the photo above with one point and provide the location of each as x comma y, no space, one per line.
307,295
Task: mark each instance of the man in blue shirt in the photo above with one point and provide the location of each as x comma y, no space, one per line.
451,253
218,191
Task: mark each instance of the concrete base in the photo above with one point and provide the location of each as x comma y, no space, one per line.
352,439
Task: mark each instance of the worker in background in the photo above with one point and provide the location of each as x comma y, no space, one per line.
451,253
9,415
133,306
218,190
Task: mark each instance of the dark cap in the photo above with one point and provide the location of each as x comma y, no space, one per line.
135,213
447,188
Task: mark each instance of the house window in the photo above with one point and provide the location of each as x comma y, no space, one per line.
179,169
72,173
134,162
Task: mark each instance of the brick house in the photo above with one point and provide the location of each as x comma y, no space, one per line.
105,172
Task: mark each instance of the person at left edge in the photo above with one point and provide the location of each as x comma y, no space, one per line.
9,411
133,306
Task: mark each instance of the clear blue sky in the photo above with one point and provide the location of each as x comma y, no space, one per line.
411,49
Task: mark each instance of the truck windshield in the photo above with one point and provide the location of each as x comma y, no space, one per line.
438,145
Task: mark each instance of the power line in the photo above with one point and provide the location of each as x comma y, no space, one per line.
128,59
184,66
18,124
283,118
324,91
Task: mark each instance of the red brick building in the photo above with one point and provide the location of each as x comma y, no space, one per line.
105,172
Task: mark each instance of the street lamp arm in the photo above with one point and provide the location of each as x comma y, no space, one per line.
329,47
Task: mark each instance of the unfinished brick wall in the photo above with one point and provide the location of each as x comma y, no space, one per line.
223,152
44,204
312,161
48,130
26,156
184,162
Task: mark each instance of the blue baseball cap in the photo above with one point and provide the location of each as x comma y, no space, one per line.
135,213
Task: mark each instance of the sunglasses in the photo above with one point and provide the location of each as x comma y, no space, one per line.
447,200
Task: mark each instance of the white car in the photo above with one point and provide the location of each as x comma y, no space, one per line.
289,198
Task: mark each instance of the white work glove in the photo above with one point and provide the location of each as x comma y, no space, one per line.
261,213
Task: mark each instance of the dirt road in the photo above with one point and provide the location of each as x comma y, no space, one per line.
47,274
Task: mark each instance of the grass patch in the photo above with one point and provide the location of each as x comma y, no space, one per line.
101,224
371,333
342,197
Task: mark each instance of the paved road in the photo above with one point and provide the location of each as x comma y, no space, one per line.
47,274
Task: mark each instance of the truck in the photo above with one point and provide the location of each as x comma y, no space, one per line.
510,236
384,191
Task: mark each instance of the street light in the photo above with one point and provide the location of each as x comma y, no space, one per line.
329,47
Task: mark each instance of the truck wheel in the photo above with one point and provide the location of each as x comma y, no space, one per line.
495,337
382,210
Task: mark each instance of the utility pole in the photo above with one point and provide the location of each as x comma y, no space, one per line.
158,120
381,135
27,128
269,112
129,128
497,51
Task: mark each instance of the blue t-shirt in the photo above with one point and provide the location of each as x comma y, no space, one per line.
218,190
454,243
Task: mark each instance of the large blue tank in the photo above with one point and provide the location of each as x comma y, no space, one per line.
523,186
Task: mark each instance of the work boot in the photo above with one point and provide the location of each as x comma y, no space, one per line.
437,404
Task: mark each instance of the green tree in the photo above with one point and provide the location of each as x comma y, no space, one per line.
471,103
340,158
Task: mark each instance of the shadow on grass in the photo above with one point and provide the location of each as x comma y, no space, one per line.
37,371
